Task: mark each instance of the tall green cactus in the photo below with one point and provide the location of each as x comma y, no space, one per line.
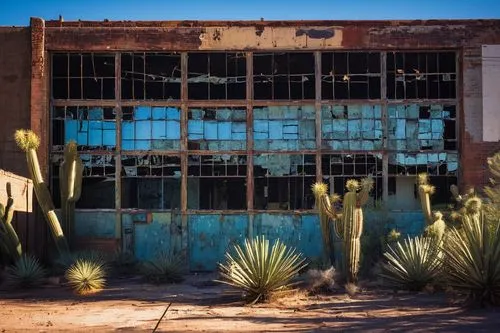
28,141
70,178
8,237
348,226
435,226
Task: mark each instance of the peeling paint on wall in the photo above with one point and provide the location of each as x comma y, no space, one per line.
242,38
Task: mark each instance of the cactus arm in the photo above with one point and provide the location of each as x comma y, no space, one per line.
28,141
9,236
364,193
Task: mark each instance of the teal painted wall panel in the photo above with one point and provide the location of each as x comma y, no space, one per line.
95,224
299,231
211,235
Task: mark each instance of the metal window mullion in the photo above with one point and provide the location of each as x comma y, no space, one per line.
317,84
117,154
383,96
184,121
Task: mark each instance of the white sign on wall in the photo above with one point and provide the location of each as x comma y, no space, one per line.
491,92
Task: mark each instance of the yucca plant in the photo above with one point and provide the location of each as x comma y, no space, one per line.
25,273
86,276
260,271
164,268
472,260
412,264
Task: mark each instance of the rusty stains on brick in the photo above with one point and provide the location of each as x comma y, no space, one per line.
316,33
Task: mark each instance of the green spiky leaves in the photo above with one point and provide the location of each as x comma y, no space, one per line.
26,139
25,273
86,276
164,268
260,270
412,264
472,261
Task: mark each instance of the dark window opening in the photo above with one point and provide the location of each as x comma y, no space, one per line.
217,182
83,76
287,76
151,76
283,181
350,75
418,75
216,76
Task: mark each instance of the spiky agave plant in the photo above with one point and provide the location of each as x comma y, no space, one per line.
86,276
260,271
27,272
472,260
412,264
164,268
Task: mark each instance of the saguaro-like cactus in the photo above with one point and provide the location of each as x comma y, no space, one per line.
28,141
348,226
8,236
70,178
435,226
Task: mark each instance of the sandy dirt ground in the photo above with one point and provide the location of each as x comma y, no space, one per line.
199,305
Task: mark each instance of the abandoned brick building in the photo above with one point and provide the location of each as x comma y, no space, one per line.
195,135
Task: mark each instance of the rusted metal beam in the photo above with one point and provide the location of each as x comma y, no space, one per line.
385,156
118,161
317,84
184,123
249,119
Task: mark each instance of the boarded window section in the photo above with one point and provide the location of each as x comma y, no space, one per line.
217,129
351,127
98,182
283,181
284,128
151,76
412,75
151,128
350,75
422,127
283,76
217,182
151,182
216,76
338,168
92,128
83,76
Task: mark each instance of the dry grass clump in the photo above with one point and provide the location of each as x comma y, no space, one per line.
321,280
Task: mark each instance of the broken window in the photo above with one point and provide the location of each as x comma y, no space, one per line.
217,182
151,128
217,129
151,182
216,76
350,75
284,75
338,168
422,127
283,181
83,76
421,75
351,127
92,128
98,182
151,76
284,128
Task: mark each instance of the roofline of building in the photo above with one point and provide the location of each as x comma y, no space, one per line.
264,23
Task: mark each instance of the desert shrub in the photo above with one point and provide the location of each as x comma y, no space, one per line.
472,260
259,270
321,280
26,272
351,289
164,268
123,264
86,276
412,264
